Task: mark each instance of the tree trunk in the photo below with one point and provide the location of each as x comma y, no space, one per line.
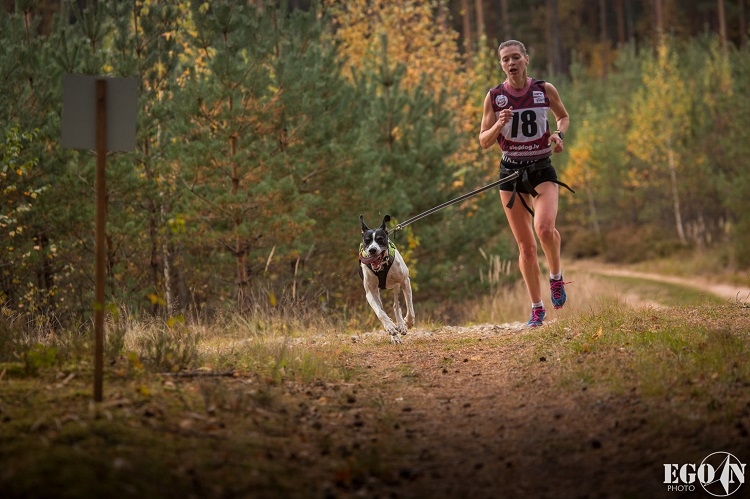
165,264
743,24
722,24
603,36
629,21
659,18
552,38
466,13
507,34
592,210
591,19
620,14
675,193
479,7
154,259
239,245
548,37
47,277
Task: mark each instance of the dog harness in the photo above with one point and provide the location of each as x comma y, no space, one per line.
507,168
381,274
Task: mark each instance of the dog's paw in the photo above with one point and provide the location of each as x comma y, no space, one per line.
394,329
395,339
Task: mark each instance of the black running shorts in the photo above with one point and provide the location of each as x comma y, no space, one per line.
535,178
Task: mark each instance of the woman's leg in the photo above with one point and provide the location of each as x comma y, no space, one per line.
545,214
545,206
521,225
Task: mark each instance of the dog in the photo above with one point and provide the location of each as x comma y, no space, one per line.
381,266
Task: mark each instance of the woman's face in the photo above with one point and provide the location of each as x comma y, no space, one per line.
513,61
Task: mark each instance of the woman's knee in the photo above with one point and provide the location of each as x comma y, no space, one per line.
546,232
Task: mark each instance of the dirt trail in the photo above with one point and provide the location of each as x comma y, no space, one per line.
487,417
490,419
727,291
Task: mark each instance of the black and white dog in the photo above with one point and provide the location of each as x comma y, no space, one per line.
382,267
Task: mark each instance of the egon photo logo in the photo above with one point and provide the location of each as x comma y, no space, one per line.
720,474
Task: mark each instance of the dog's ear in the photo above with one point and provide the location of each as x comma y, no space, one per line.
364,225
386,219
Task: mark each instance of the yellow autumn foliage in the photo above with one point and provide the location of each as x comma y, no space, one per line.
419,37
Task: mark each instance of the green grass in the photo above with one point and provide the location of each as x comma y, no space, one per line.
698,350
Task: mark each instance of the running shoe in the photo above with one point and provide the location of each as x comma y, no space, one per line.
557,292
537,317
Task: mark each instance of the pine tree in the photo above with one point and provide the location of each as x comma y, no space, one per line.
260,103
146,44
31,67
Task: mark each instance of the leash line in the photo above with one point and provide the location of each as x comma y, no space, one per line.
509,178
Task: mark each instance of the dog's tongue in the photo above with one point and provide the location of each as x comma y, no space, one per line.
369,259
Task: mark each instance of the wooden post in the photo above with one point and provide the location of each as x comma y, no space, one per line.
99,113
101,240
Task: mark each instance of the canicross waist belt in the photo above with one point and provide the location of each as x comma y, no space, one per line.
509,167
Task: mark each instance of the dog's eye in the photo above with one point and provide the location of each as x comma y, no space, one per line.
381,241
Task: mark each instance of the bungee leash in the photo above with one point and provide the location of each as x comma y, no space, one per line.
513,176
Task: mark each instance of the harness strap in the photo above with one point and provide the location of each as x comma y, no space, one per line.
381,274
524,180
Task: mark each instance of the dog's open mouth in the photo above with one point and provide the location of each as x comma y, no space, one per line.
375,261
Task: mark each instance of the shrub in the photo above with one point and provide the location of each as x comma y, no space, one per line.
633,244
172,347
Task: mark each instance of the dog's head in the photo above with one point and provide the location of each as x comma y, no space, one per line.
374,249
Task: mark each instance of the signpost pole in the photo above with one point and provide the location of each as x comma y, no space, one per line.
99,113
101,241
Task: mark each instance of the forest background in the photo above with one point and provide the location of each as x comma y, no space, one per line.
264,130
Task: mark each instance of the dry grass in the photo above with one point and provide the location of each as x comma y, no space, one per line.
300,343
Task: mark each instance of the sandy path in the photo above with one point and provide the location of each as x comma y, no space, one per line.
726,291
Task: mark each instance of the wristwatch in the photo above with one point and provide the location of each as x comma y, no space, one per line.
560,133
